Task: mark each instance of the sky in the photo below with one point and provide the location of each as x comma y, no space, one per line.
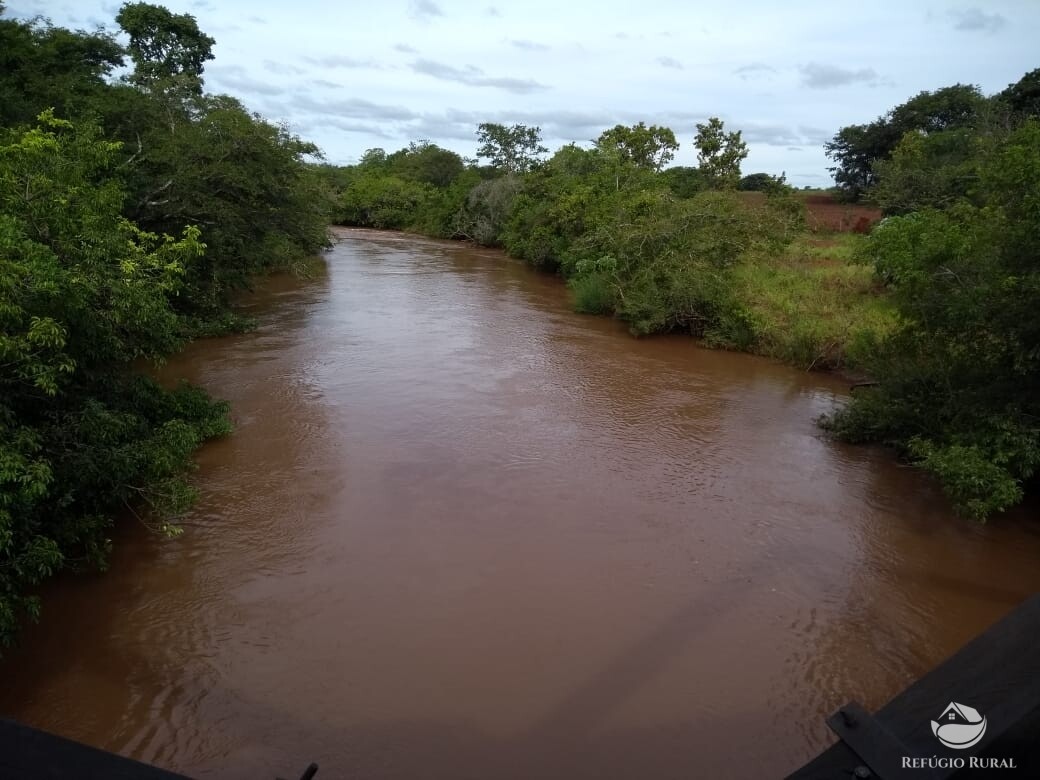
352,75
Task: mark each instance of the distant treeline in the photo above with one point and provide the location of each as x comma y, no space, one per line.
130,210
957,173
652,245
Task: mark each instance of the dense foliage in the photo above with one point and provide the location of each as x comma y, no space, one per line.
958,383
938,123
129,211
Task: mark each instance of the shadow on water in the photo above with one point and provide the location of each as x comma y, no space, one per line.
574,738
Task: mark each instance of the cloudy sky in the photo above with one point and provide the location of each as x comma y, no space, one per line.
353,75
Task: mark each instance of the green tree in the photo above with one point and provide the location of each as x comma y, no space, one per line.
650,147
1023,97
383,201
241,179
168,50
42,66
684,181
719,154
421,187
83,294
573,192
426,162
92,281
856,149
373,158
513,149
760,182
943,109
935,170
488,206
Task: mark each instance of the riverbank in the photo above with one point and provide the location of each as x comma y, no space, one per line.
808,304
769,272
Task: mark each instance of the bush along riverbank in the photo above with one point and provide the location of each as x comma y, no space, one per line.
664,249
129,212
939,305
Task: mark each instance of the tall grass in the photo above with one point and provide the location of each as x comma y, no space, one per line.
811,306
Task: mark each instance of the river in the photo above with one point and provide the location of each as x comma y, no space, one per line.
463,532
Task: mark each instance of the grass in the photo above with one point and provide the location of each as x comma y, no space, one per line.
811,306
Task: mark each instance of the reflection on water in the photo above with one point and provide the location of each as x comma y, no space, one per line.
462,532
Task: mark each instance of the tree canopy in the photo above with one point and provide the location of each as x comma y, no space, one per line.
719,154
650,147
857,149
1023,97
168,50
513,149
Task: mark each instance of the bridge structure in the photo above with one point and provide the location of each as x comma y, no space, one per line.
975,715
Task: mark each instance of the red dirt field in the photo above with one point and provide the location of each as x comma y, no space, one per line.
826,214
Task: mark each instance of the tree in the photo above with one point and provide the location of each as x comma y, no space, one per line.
168,50
959,381
719,154
83,294
684,181
760,182
645,147
943,109
244,182
1023,97
513,149
857,148
565,197
383,201
426,162
373,158
486,209
42,66
935,170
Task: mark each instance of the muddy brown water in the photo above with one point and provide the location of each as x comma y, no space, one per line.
462,532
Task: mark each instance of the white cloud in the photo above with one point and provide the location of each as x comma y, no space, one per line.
528,45
424,10
970,19
754,70
472,76
340,61
817,75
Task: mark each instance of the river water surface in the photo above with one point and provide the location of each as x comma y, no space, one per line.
462,532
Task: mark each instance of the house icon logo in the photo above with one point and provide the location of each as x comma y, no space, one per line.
960,726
